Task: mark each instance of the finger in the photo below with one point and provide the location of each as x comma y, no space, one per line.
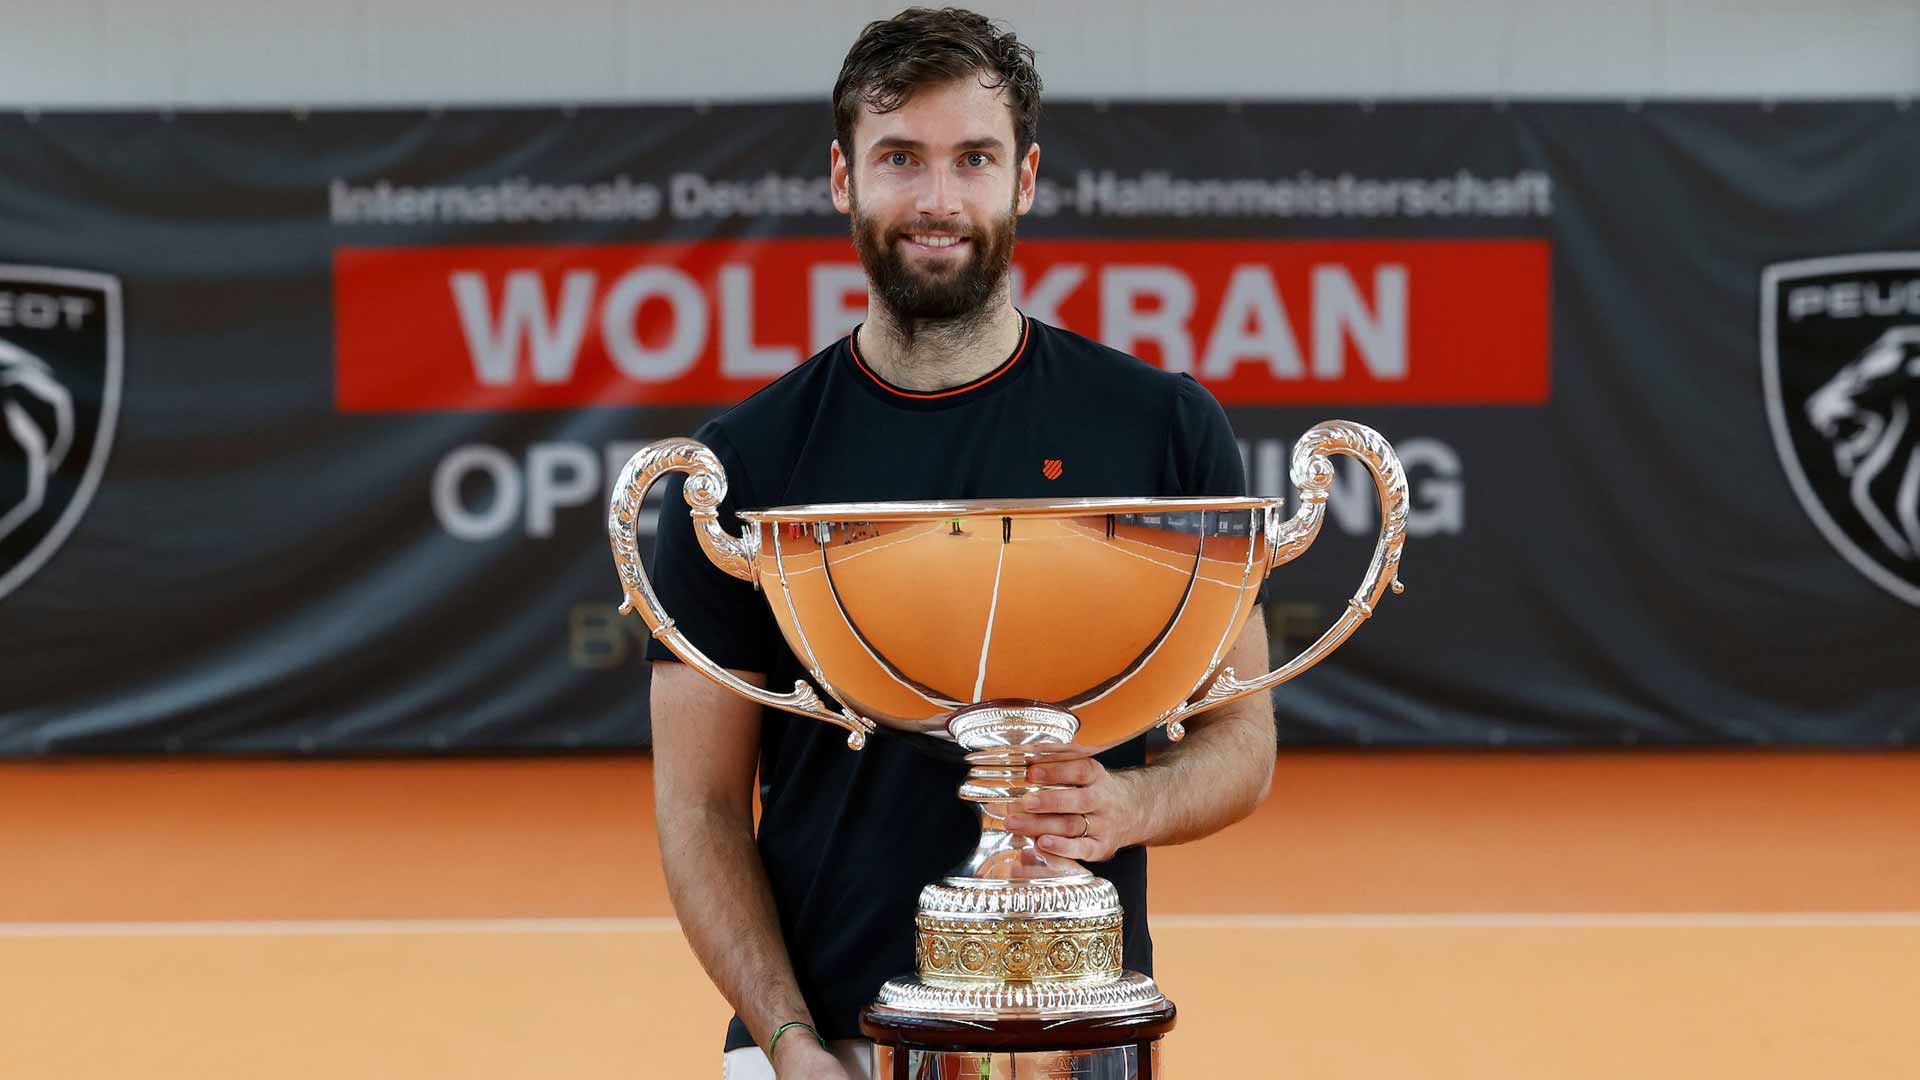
1046,824
1069,800
1082,848
1080,771
1060,751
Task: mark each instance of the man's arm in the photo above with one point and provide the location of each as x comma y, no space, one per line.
1214,777
706,743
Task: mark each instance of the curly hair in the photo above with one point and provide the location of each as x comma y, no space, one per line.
919,47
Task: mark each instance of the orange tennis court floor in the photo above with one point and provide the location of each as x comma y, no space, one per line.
1383,916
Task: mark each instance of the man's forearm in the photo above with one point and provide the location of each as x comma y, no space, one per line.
1219,773
719,889
1214,777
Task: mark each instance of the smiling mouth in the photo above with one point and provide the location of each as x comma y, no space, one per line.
934,241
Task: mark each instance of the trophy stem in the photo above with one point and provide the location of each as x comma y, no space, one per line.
1005,739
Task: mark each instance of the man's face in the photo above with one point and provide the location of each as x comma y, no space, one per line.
933,189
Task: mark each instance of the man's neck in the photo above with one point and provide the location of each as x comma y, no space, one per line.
929,355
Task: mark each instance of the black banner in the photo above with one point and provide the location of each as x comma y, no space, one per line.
307,419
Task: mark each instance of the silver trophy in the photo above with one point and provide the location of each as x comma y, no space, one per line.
1014,628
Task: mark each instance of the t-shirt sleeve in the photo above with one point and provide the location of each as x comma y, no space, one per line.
718,612
1203,456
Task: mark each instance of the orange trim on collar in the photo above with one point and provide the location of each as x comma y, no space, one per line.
1026,331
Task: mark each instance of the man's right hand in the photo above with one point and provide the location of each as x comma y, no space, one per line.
803,1058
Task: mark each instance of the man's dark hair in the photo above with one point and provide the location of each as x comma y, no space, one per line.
920,47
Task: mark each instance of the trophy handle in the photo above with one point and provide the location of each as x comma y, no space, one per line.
1312,473
705,488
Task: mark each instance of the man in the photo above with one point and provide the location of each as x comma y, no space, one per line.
946,391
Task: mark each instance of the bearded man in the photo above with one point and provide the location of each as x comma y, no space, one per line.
947,391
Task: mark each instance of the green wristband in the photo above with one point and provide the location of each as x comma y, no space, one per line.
782,1030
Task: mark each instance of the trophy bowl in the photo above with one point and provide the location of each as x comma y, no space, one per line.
1019,629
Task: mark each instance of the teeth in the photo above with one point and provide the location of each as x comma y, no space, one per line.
934,240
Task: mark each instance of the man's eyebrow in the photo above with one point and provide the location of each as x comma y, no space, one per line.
897,142
980,142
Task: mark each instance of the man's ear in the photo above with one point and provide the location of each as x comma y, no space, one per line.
1029,170
838,179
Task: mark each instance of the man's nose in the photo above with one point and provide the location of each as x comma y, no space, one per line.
937,196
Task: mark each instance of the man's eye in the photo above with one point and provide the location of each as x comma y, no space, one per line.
897,158
977,160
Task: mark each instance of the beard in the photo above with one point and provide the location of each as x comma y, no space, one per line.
916,296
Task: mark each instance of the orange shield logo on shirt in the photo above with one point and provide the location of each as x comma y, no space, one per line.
1052,468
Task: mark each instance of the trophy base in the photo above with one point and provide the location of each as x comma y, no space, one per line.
1122,1045
912,999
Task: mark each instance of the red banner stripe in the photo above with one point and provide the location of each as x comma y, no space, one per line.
1406,321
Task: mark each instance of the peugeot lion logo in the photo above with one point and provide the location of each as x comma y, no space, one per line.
38,416
1840,357
1866,413
59,397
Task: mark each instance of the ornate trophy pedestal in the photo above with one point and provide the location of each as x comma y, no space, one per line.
1018,950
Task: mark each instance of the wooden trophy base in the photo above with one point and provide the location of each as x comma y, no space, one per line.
1115,1046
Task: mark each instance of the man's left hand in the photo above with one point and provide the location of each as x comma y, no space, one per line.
1088,818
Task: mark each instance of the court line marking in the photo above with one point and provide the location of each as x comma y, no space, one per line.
1522,920
845,559
342,927
1181,570
986,639
660,925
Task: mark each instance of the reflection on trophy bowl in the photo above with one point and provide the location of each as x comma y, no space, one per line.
1113,610
1020,629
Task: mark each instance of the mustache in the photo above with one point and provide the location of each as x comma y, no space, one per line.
924,227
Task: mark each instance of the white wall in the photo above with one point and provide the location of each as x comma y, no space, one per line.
131,53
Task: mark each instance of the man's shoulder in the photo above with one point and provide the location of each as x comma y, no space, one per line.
757,438
1069,347
794,393
1115,376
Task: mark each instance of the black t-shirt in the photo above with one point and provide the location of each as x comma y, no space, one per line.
848,838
